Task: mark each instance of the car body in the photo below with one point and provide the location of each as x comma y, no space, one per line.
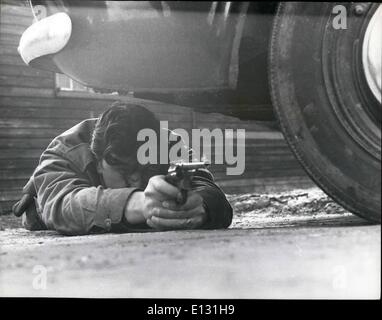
317,66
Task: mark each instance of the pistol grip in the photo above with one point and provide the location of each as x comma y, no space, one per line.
182,198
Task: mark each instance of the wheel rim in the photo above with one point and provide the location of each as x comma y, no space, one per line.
371,54
362,120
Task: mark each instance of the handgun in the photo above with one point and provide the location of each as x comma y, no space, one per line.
180,175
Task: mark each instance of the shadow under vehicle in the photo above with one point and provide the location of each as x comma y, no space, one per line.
315,67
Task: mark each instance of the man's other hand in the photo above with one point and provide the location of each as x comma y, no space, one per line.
169,215
157,205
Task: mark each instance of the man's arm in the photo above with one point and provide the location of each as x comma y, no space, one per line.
68,201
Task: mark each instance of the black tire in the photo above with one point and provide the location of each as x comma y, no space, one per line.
328,114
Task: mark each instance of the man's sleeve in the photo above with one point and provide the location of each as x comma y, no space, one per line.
69,204
217,206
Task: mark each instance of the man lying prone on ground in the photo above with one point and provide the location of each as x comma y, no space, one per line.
89,181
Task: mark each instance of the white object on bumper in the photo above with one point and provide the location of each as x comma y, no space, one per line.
44,37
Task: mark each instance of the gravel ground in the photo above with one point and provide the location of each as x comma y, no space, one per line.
296,244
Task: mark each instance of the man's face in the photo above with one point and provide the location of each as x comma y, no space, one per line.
125,172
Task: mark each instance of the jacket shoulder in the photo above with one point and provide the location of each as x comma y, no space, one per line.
74,144
80,133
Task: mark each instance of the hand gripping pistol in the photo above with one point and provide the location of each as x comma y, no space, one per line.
180,175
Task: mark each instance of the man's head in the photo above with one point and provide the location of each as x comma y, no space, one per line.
115,145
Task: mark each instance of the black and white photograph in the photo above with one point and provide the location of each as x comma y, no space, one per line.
195,150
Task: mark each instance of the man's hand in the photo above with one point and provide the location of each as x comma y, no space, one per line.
190,215
158,207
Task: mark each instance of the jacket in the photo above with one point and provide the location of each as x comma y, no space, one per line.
65,192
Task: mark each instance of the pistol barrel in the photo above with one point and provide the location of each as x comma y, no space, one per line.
192,165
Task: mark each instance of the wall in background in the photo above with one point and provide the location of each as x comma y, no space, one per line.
32,112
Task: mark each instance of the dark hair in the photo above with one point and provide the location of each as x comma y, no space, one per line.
116,130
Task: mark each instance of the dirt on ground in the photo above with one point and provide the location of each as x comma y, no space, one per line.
298,206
